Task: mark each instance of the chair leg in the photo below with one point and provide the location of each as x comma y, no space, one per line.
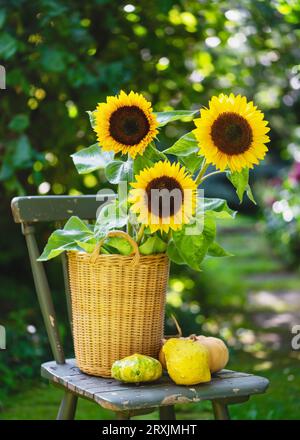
67,407
220,410
167,413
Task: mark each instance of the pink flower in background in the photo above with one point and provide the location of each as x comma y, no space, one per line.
294,174
275,181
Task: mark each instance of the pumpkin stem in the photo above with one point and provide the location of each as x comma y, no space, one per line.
177,326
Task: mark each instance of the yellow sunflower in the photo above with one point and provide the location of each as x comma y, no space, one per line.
163,196
232,132
125,123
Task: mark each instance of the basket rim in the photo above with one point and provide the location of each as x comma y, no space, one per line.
118,256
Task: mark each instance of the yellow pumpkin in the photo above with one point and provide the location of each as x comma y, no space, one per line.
187,361
218,352
161,356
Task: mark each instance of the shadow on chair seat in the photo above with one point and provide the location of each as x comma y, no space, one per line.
225,388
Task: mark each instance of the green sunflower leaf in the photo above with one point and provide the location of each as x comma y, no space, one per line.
76,224
88,245
173,253
111,216
118,171
153,153
153,245
164,118
192,242
240,180
91,159
185,145
141,162
192,162
120,244
186,149
67,239
148,158
92,118
215,250
217,208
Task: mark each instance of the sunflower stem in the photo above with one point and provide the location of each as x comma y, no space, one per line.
140,234
211,174
201,172
130,162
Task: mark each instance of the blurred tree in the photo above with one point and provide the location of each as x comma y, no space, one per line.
63,56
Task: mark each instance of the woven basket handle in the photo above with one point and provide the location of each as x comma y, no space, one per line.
122,234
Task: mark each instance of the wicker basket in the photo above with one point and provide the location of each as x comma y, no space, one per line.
118,306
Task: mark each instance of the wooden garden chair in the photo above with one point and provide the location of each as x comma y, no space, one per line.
126,400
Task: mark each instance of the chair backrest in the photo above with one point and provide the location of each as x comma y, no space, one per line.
30,210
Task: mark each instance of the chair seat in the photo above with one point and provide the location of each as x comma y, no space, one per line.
117,396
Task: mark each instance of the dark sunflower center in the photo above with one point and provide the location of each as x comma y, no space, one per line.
128,125
231,133
164,196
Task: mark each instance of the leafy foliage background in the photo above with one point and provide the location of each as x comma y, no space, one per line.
63,56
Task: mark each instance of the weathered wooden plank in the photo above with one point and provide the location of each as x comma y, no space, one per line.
72,378
32,209
226,374
117,396
172,394
69,368
69,375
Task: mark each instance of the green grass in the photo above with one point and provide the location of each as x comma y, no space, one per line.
41,403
